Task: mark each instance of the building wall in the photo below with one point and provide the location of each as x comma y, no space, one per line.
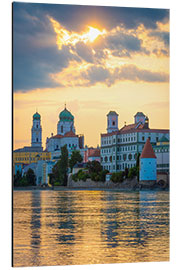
30,157
112,123
119,151
162,154
148,169
64,126
36,133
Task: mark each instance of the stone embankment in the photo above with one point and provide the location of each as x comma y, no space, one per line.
127,184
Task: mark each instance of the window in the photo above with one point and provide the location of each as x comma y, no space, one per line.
113,123
61,129
157,139
105,159
36,126
36,139
110,158
142,138
117,157
130,157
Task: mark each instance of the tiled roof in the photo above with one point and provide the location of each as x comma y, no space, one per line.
130,129
95,153
148,151
70,134
58,136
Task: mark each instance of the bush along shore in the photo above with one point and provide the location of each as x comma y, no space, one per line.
91,176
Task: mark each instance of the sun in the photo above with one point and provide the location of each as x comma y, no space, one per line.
93,33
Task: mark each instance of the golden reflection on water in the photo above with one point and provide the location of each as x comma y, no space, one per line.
89,227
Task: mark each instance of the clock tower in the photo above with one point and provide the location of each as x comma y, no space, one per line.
36,131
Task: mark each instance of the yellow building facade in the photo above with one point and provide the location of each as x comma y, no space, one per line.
30,157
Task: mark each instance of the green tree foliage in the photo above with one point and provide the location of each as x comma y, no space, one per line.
17,178
80,175
117,177
30,177
75,158
126,171
60,169
94,166
96,171
132,172
137,165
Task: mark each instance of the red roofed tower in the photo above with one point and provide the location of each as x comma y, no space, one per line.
148,164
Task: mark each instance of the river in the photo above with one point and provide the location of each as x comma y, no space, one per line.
71,227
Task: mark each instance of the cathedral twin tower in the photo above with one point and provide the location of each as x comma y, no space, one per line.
36,131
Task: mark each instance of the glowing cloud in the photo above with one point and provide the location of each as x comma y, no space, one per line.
65,37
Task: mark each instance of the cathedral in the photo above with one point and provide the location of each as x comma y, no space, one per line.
66,135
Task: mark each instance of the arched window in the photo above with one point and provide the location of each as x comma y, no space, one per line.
61,129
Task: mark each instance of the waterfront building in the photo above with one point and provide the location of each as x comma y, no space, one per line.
91,154
36,131
120,147
161,150
42,171
65,136
148,163
95,155
33,153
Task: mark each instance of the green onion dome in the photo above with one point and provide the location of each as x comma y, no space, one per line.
36,116
66,116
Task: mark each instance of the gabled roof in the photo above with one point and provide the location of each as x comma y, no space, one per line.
148,151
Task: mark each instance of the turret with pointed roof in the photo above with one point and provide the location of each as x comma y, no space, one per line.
148,163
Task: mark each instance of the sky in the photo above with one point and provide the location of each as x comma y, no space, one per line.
94,59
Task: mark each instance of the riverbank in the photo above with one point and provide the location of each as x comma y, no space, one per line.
139,187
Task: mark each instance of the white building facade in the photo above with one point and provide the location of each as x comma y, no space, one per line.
119,149
36,131
65,136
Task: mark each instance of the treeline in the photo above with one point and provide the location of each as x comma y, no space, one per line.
28,179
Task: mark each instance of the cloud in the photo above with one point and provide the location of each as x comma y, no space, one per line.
96,74
37,57
162,36
84,51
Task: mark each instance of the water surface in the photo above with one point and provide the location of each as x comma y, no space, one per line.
71,227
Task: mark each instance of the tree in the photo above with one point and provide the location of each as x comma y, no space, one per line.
117,177
137,165
30,177
60,169
17,178
94,166
75,158
132,172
